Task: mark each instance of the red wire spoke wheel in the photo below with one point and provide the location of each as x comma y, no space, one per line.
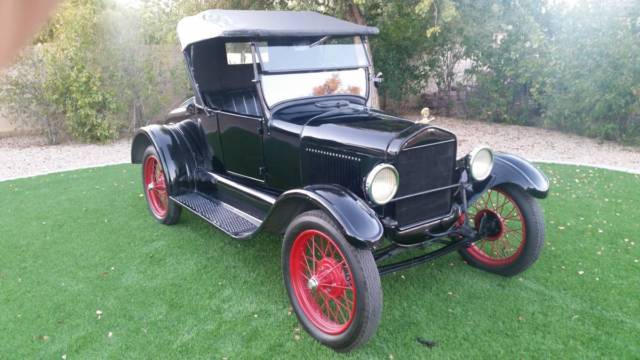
505,245
334,287
156,191
516,231
322,282
155,186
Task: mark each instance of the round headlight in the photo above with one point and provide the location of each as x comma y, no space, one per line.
480,163
382,183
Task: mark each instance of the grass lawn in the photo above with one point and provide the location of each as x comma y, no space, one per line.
75,243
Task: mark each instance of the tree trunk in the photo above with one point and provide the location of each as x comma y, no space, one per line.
355,15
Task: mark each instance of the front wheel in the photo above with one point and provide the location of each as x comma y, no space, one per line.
334,287
517,231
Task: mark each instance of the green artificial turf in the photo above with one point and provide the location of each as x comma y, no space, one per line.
75,243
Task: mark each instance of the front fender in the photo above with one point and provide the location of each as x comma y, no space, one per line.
358,222
512,169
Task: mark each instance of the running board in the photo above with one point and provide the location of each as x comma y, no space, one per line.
225,217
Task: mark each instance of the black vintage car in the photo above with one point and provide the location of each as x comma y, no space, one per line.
280,136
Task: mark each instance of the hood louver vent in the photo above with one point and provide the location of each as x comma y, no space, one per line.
323,166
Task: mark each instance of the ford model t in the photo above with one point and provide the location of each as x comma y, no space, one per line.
280,136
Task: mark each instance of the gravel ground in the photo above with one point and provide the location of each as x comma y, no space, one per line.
30,156
542,145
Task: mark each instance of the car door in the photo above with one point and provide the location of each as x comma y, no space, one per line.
241,141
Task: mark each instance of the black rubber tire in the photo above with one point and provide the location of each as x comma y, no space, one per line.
534,232
173,209
366,280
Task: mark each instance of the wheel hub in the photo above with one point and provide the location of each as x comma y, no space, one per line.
490,223
329,278
312,284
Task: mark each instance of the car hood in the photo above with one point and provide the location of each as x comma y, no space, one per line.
358,129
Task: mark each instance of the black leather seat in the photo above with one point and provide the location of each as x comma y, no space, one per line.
224,86
245,102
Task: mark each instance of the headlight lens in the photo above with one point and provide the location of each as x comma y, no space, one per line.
382,183
481,163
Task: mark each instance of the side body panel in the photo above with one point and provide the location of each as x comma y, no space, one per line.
282,155
241,141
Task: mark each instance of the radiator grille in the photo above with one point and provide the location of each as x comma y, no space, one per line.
421,169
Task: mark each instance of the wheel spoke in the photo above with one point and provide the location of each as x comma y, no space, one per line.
308,267
305,269
330,312
505,202
313,253
337,286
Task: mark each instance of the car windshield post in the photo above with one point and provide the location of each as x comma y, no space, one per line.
255,56
370,71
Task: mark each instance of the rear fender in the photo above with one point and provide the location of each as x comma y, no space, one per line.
357,220
180,148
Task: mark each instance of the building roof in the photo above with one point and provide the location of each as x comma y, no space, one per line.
264,24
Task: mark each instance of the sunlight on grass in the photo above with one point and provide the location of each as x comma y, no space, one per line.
85,272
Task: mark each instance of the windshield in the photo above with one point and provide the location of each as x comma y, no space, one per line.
313,54
313,67
281,87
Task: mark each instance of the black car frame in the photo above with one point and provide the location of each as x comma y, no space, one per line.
280,136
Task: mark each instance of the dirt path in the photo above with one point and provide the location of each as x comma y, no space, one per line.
30,156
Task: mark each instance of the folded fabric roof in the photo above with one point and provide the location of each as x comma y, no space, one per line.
264,24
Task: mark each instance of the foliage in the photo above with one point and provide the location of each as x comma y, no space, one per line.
110,67
398,47
574,68
594,84
74,84
23,98
506,43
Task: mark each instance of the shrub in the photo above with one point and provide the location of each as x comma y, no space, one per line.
23,98
595,65
74,83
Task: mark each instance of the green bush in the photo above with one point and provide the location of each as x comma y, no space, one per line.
23,98
575,69
74,82
594,88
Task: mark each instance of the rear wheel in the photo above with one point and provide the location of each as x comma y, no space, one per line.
517,231
154,183
334,287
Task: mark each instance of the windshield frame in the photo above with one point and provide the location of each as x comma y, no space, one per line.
259,72
362,43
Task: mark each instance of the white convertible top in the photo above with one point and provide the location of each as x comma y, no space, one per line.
264,24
